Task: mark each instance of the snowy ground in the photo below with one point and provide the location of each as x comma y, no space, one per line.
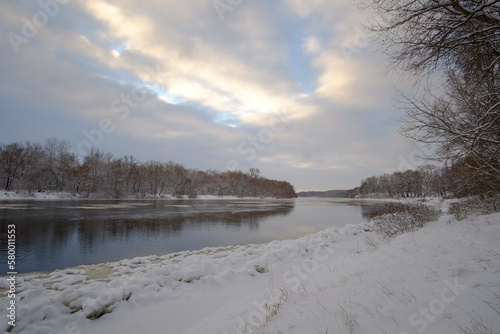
13,195
444,278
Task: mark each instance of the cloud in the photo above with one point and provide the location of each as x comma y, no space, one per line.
207,85
224,75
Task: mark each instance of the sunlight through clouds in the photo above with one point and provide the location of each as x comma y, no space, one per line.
337,79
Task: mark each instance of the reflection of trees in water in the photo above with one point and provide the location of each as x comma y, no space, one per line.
92,234
237,219
44,235
367,210
39,239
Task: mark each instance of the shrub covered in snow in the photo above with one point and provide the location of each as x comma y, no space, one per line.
475,205
396,218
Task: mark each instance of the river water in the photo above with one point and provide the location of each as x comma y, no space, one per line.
59,234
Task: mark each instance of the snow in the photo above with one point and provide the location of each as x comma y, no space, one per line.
443,278
13,195
56,195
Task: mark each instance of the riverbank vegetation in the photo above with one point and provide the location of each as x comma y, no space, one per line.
395,218
33,167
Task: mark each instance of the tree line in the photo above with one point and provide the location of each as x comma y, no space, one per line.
426,180
33,167
349,193
328,193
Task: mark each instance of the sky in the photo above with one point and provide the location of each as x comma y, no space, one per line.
294,88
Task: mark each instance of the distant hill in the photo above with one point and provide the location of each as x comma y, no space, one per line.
330,193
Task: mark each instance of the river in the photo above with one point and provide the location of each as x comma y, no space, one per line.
65,233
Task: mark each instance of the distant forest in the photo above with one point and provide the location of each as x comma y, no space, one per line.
459,180
426,180
53,166
351,193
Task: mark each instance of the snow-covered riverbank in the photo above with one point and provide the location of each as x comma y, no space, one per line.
444,278
54,195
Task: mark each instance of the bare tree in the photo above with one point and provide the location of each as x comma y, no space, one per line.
460,40
96,163
427,34
463,126
11,160
130,167
31,167
254,172
156,176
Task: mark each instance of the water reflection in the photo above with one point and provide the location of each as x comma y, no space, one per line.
368,209
58,234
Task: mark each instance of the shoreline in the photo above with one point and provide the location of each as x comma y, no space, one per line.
56,196
104,265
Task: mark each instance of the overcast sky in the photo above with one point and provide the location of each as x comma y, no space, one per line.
292,87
